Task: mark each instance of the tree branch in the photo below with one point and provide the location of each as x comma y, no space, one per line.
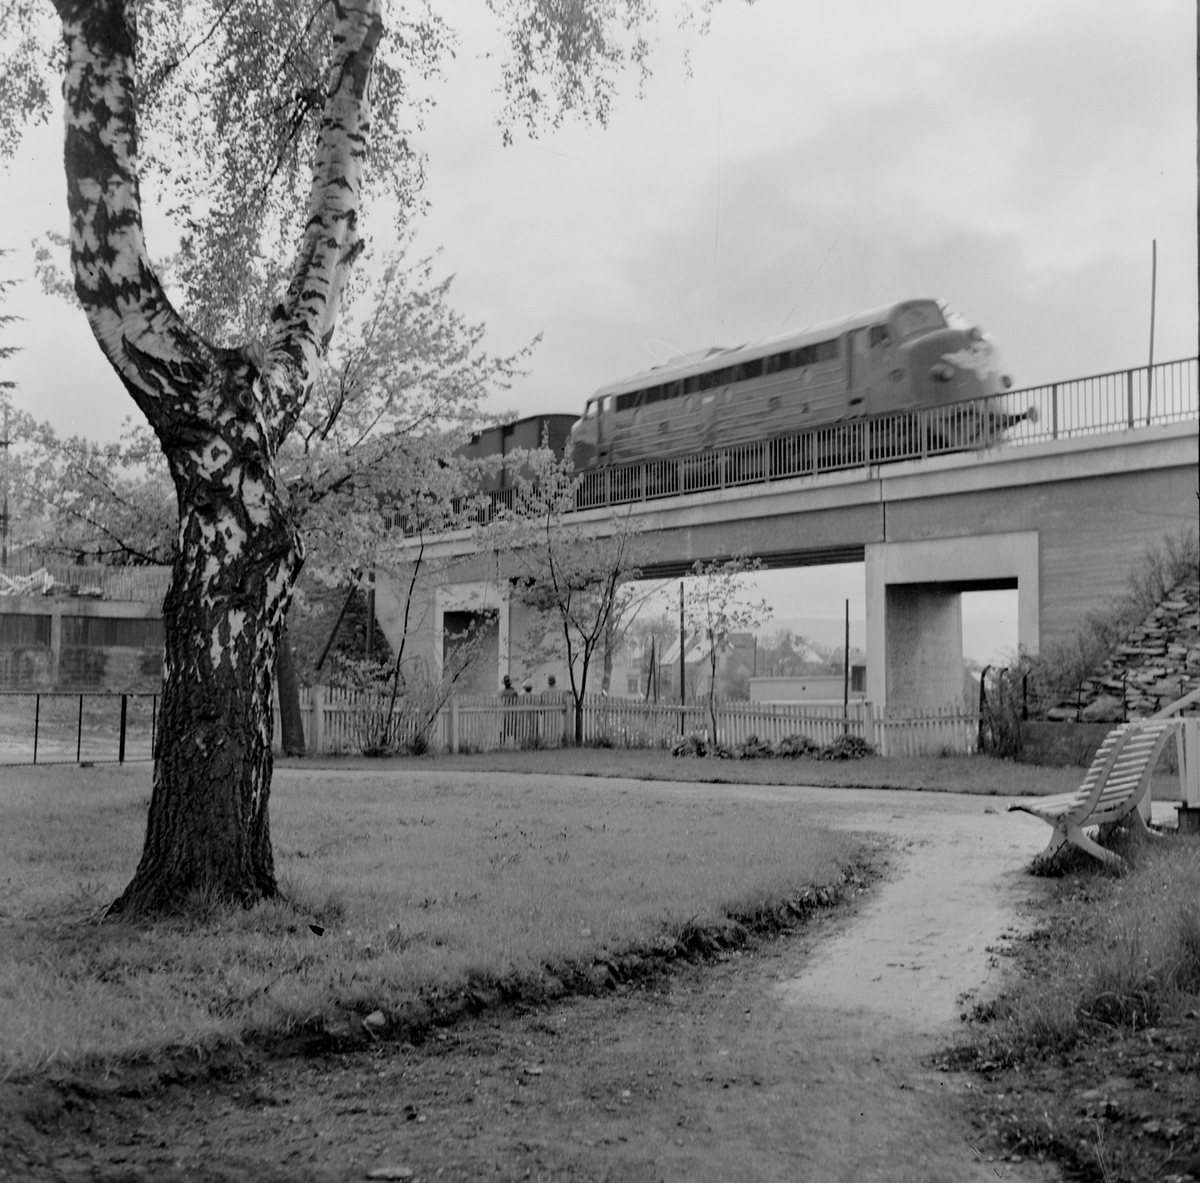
305,320
152,350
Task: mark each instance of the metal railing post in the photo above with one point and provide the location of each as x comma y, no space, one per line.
1054,411
37,714
1129,396
121,745
79,732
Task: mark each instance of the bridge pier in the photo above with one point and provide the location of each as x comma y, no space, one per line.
914,612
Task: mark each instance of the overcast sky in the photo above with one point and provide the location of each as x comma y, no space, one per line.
1015,157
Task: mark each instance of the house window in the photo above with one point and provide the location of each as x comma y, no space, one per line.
114,632
633,684
24,630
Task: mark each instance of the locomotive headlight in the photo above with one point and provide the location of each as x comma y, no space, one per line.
942,371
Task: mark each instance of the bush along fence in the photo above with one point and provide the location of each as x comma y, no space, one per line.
340,722
63,728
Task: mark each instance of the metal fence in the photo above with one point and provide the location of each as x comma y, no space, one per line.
62,728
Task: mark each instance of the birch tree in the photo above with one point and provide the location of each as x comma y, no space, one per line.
573,574
7,385
717,604
253,118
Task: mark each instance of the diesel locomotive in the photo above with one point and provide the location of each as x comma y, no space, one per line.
908,356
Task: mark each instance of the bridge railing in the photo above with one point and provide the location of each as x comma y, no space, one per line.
1099,403
1168,392
1116,401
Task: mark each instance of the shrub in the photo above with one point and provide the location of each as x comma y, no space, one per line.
1002,705
689,745
757,749
846,747
797,745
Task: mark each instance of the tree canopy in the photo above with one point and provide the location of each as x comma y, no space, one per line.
268,130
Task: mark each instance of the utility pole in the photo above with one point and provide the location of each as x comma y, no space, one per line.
1153,295
4,443
846,676
682,669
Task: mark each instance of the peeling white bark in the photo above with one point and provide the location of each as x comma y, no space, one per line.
220,418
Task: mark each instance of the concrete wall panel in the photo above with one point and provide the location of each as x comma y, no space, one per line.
924,648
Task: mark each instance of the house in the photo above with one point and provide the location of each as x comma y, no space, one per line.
94,628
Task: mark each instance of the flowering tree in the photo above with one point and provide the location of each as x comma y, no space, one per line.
573,574
717,605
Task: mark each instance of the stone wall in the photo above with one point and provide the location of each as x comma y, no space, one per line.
1156,663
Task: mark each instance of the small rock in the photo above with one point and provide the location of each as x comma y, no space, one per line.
390,1173
533,1070
600,974
375,1019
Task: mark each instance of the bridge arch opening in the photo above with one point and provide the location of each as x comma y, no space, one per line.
915,596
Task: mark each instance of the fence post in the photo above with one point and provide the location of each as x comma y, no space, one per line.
79,732
317,725
37,714
121,745
454,724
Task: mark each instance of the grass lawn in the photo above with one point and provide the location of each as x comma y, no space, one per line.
422,890
1093,1058
952,774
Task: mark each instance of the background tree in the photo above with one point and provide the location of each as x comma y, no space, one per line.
271,98
111,503
7,386
573,575
375,447
628,603
717,604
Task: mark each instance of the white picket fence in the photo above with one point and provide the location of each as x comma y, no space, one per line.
334,724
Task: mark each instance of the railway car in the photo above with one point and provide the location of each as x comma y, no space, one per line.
906,356
502,439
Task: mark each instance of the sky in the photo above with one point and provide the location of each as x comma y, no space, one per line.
1014,157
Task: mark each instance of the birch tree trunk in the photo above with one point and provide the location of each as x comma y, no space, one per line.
220,416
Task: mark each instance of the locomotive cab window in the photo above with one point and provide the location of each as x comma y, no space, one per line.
918,319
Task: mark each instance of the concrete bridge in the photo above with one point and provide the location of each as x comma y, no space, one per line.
1063,521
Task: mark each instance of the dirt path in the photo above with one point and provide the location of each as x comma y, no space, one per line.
801,1061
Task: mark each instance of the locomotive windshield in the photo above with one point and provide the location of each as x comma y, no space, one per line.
917,319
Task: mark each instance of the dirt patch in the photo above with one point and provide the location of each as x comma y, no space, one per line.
800,1057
